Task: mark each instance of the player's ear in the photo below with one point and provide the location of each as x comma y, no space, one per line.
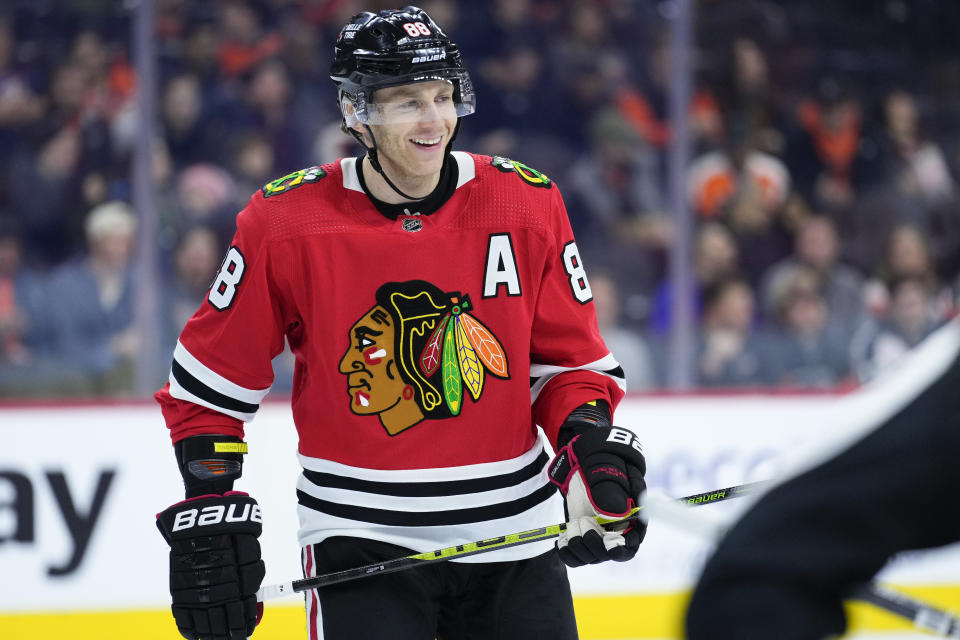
363,133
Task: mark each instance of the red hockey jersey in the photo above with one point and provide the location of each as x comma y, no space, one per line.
421,345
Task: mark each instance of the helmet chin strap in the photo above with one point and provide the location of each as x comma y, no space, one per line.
375,161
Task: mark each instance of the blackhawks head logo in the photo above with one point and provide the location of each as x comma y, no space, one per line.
416,355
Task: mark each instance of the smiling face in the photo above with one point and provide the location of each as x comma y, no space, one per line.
373,378
414,124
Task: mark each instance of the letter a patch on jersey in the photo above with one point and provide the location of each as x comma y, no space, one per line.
417,354
501,268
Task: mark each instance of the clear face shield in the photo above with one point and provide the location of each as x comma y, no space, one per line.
424,97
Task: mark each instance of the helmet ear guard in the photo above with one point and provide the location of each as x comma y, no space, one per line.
348,109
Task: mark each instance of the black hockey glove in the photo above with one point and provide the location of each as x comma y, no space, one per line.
215,565
600,473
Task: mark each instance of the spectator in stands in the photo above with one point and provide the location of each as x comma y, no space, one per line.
906,254
92,319
252,165
55,162
205,195
805,347
268,108
183,124
195,262
488,27
749,191
615,189
909,182
817,247
30,365
758,218
590,70
633,354
244,41
913,315
198,57
20,105
824,151
911,162
748,97
716,258
523,117
311,104
616,205
727,356
23,305
719,178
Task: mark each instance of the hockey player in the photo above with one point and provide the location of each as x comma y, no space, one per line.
438,311
887,486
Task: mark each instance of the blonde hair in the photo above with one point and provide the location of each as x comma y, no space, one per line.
110,217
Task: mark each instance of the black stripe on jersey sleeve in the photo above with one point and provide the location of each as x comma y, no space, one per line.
616,372
202,391
427,518
425,489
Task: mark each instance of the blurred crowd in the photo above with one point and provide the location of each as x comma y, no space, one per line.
823,180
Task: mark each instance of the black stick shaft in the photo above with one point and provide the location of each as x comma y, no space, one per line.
719,495
923,615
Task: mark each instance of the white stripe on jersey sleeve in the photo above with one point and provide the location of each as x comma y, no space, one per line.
543,373
215,383
214,380
180,393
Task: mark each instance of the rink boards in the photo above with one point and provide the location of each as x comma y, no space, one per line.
80,485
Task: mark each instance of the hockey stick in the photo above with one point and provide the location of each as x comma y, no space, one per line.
480,546
735,491
922,615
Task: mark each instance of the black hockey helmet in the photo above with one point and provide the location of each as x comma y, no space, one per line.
390,48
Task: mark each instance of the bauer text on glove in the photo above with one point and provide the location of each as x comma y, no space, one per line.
215,565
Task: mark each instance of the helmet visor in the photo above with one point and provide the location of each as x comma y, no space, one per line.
422,97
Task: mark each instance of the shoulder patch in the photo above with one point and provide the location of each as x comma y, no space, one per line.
530,176
292,181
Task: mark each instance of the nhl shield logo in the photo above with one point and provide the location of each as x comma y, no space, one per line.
411,224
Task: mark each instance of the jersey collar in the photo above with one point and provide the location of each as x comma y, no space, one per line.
466,171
